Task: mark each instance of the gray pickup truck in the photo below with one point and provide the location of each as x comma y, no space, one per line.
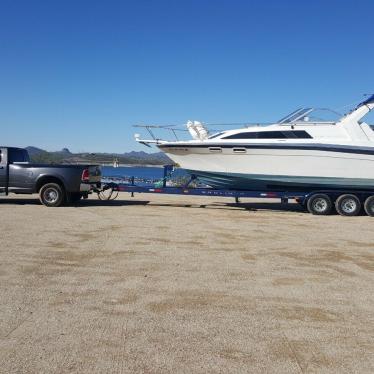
55,184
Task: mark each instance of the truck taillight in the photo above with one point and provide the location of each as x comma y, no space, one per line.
85,175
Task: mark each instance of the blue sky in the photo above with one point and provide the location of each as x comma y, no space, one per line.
79,74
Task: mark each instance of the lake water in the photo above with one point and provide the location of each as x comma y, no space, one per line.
141,173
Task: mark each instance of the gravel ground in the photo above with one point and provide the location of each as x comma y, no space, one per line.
163,284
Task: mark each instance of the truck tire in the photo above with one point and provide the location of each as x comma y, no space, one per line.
348,205
319,204
52,195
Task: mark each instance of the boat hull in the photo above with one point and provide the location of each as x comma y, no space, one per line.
256,182
278,168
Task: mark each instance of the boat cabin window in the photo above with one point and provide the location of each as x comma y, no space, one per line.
271,135
298,134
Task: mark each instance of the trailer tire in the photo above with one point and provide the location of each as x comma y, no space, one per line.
348,205
369,206
52,195
319,204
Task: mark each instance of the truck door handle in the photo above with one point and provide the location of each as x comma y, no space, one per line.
1,167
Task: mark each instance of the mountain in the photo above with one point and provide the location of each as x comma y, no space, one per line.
141,155
34,151
65,156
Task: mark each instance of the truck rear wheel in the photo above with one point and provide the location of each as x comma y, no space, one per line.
348,205
319,204
52,195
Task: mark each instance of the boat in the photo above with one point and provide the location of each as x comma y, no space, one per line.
298,152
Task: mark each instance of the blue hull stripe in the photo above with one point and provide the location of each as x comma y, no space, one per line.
305,147
274,182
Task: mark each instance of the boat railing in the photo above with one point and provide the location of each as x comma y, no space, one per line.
177,131
174,129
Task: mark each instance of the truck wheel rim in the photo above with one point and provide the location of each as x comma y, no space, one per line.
320,205
50,195
349,206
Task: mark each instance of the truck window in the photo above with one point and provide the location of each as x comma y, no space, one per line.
17,155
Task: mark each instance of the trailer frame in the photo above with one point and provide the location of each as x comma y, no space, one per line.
347,202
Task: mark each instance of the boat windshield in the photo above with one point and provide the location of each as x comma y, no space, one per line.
216,135
311,115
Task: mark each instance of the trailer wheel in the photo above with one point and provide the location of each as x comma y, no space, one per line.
369,206
319,204
52,195
348,205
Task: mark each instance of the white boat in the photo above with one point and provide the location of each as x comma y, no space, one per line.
295,153
116,163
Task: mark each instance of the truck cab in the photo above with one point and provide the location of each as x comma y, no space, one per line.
56,184
11,156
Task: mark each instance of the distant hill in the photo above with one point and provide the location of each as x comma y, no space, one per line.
34,151
140,154
65,156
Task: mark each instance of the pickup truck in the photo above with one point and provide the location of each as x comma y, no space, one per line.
55,184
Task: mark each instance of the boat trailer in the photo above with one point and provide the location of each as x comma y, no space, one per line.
321,202
110,190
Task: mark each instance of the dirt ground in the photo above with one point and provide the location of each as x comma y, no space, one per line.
163,284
